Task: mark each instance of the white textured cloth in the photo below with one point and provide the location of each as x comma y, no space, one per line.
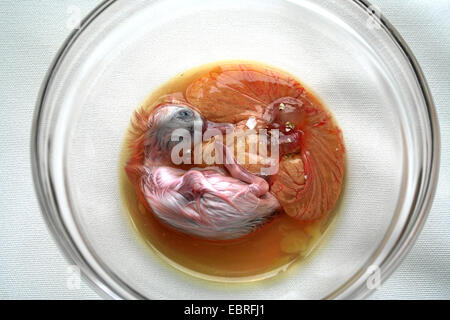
31,266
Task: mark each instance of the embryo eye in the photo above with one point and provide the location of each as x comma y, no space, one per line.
185,114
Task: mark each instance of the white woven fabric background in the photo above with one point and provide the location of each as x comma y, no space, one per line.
31,266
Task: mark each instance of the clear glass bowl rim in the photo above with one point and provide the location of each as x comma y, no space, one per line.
354,288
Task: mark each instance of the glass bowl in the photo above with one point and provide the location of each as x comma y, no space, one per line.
350,56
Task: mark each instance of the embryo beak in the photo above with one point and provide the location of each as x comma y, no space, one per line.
222,127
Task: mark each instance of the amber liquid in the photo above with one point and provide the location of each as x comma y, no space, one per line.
262,254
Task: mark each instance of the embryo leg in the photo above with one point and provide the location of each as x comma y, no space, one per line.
258,186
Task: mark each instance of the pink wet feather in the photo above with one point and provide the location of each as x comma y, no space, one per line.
208,202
